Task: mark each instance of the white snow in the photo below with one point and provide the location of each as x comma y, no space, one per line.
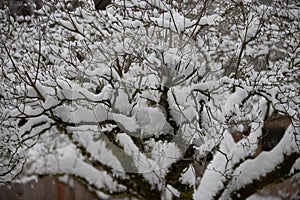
234,101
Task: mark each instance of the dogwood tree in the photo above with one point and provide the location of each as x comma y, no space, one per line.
145,98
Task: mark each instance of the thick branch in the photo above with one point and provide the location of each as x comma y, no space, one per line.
280,173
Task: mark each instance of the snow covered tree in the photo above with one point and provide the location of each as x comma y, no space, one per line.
152,99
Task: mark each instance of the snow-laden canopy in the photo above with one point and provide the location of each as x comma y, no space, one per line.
133,98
